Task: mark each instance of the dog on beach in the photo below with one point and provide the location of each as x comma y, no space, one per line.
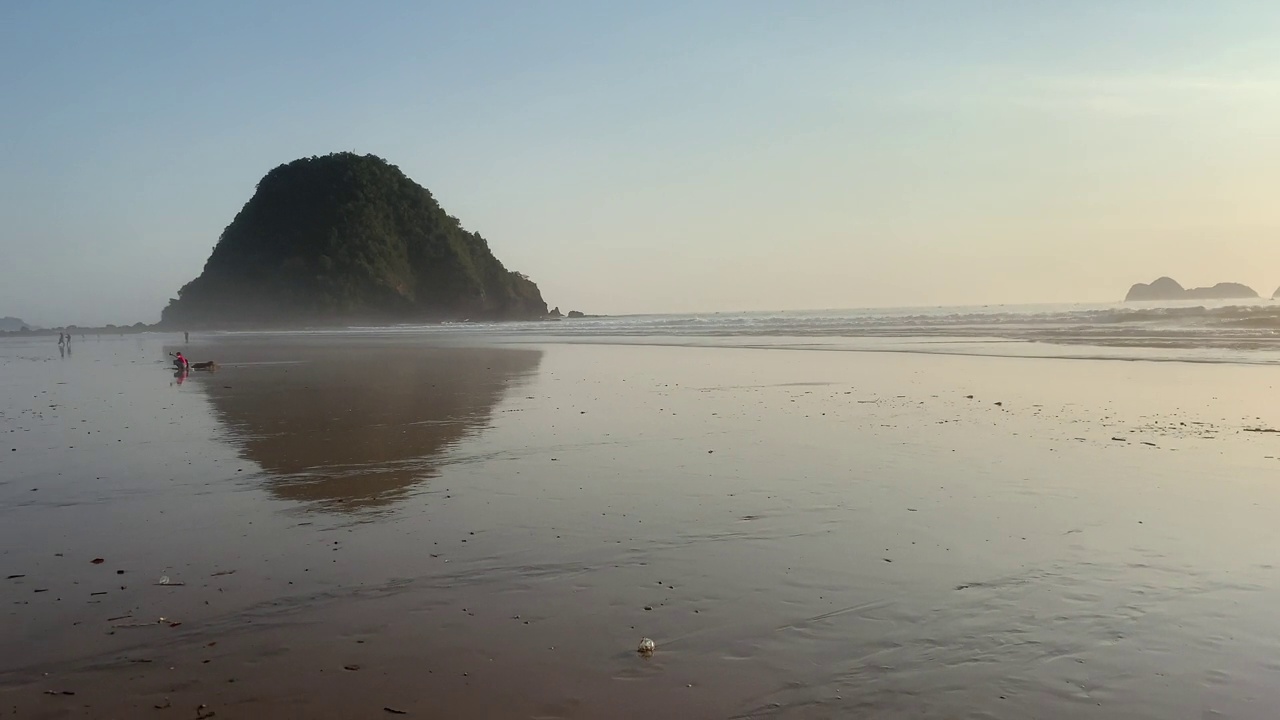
210,365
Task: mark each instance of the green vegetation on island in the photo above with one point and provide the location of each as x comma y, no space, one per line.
344,238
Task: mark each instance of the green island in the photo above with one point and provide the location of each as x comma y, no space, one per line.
348,238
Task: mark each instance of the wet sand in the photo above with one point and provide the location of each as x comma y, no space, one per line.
354,526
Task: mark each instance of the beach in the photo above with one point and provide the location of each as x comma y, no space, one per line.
454,525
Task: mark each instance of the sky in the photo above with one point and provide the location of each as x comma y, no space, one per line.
660,156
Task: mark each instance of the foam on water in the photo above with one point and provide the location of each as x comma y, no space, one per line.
1209,332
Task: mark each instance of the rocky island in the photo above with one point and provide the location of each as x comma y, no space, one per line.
1167,288
11,324
348,238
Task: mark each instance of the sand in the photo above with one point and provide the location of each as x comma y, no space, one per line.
354,526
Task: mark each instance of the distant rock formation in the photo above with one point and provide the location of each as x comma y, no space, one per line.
1167,288
1223,291
555,312
1276,295
346,238
11,324
576,314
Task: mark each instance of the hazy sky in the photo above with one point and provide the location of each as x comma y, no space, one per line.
660,156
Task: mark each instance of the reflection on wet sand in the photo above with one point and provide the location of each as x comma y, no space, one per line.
354,427
803,534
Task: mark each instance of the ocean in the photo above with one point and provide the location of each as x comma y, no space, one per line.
1247,333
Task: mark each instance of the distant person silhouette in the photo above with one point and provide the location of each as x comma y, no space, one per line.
186,337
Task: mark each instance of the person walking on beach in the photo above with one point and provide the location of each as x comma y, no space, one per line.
186,337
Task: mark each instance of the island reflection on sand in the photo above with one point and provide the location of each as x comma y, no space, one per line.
354,427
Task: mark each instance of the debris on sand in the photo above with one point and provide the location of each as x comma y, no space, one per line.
647,646
161,621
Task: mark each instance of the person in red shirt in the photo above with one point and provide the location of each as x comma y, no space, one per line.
181,362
